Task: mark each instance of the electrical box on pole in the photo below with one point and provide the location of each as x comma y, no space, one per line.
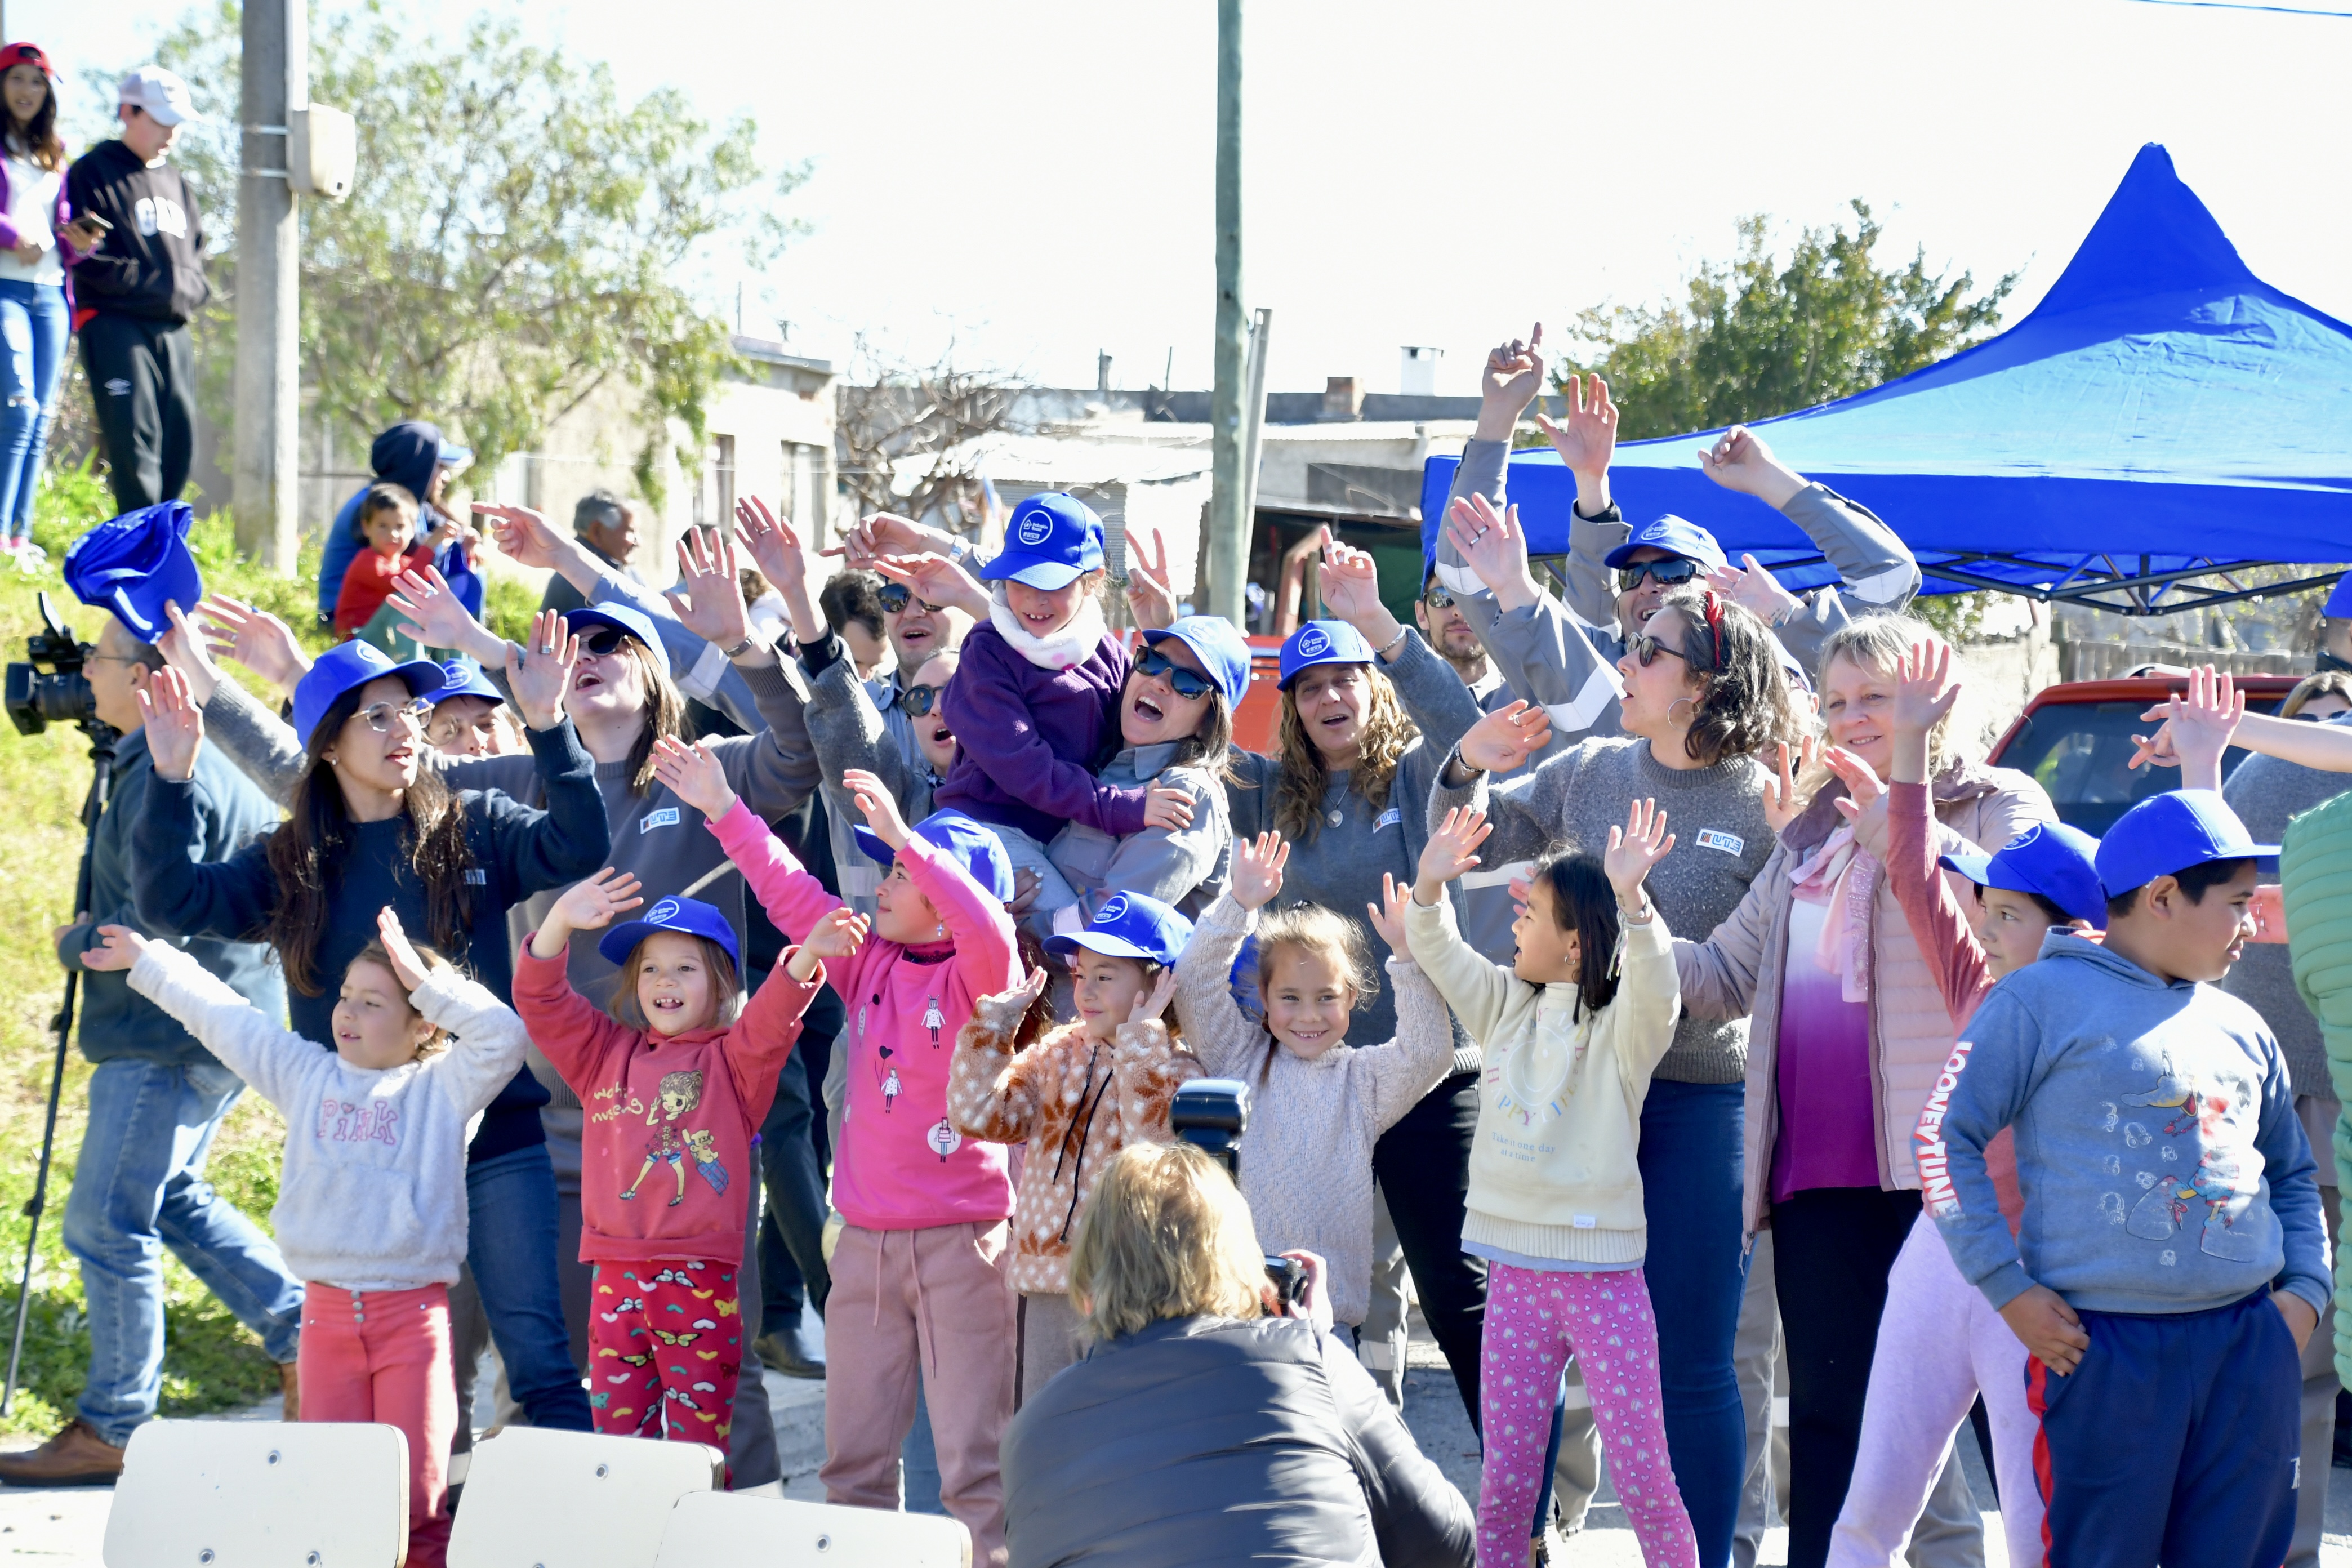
323,152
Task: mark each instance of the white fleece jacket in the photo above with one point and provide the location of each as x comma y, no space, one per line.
372,1196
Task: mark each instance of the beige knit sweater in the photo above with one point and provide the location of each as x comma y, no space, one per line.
1307,1157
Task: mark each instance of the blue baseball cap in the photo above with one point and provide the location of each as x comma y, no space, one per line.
1322,642
2165,834
350,665
1218,646
2339,603
1129,925
2050,858
621,618
690,916
132,564
972,843
464,678
1052,540
1676,536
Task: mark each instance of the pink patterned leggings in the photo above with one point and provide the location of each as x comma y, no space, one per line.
1533,1322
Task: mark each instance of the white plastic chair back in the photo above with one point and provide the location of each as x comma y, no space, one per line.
708,1527
542,1498
260,1494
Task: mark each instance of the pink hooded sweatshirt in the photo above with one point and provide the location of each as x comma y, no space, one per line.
902,1165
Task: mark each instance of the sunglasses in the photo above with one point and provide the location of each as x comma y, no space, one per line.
896,596
1668,572
917,702
381,716
605,640
1646,649
1438,599
1188,683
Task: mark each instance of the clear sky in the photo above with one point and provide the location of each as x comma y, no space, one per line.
1034,179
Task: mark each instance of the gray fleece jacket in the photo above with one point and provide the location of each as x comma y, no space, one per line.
1184,868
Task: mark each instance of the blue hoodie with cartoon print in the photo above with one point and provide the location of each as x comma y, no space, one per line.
2157,1148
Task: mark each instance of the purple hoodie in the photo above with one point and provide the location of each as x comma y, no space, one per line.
1031,739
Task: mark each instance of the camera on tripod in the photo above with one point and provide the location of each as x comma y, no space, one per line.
61,695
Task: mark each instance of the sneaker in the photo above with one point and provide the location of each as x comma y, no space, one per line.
30,557
76,1456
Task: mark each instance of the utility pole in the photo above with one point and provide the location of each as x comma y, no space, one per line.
1229,519
265,491
1254,414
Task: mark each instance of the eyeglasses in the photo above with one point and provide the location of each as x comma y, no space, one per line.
917,702
381,716
1438,599
1646,649
605,640
896,596
1667,573
1188,683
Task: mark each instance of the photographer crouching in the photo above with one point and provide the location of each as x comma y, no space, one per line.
156,1097
1200,1427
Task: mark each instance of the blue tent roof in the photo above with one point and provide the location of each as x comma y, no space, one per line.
2161,414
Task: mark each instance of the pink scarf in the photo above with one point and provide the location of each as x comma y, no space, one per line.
1844,876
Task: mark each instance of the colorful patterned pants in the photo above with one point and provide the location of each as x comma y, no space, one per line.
1534,1320
665,1343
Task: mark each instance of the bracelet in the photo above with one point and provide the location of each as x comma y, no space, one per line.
1781,617
741,648
1383,650
1640,913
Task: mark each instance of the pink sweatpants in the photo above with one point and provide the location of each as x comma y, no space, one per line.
383,1355
1940,1345
934,1304
1534,1320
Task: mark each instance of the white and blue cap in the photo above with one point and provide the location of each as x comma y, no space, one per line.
621,618
353,664
973,844
1220,648
2165,834
689,917
2058,862
1130,925
464,678
1052,540
1676,536
1322,642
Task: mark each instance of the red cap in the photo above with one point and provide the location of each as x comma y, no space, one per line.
27,54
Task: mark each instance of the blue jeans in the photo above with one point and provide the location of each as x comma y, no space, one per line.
1697,1271
33,327
792,1231
138,1188
511,1247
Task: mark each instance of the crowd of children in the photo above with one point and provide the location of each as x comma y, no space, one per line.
2108,1219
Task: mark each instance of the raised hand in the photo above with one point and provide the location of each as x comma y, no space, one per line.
253,639
1513,378
888,534
1025,883
1634,849
1495,547
935,580
881,808
1351,581
540,675
1754,589
838,934
1864,803
173,724
184,652
1450,850
694,775
522,534
2196,729
1924,687
1740,460
1017,1002
593,902
1149,1006
708,600
406,966
1257,870
118,948
1782,803
774,548
1506,738
1150,600
1388,915
1586,439
1167,808
435,614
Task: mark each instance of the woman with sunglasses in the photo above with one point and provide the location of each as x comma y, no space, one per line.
372,824
1846,1041
1704,698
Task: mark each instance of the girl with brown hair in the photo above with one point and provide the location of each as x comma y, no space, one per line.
37,243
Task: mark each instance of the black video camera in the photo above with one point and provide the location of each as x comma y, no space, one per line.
37,700
1210,1113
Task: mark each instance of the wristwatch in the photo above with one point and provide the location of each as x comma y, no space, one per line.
750,641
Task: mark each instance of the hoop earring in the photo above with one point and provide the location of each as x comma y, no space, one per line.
1678,702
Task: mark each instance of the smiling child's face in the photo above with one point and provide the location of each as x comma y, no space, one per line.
674,985
1307,1000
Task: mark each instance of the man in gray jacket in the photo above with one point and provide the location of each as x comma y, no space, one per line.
156,1097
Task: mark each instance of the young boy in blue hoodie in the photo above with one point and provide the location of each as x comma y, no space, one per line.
2172,1259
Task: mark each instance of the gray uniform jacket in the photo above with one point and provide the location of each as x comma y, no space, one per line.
857,725
1185,867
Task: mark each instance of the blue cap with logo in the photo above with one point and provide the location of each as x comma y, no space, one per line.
2165,834
621,618
464,678
2050,858
1676,536
1052,540
690,916
1322,642
132,564
353,664
1220,648
1130,925
975,846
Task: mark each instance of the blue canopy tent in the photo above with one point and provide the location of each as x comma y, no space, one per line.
2162,420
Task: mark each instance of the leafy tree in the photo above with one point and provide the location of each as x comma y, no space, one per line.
515,240
1757,338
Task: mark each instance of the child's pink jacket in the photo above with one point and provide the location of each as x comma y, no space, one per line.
902,1165
666,1165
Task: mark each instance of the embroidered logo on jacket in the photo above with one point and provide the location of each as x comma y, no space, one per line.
1716,838
1388,818
665,817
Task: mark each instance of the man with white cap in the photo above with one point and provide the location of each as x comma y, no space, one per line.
136,290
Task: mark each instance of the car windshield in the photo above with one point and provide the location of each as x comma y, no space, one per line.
2080,753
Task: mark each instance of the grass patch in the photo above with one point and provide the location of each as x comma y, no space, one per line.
210,1362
